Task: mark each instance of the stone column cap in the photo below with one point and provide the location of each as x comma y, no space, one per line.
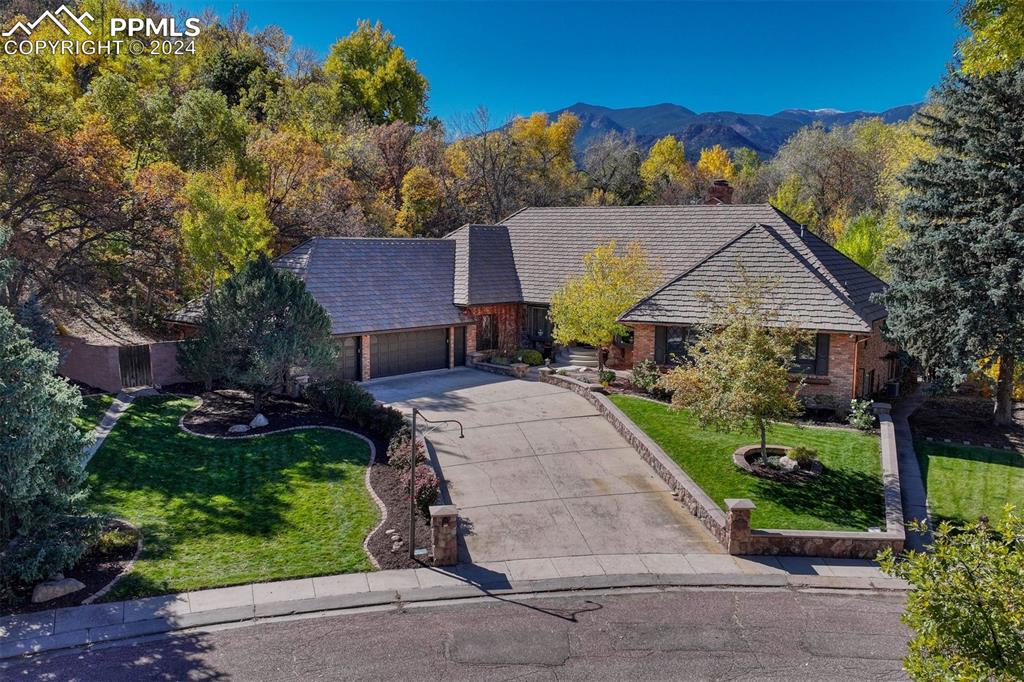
735,504
444,510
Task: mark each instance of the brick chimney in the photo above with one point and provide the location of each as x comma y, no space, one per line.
720,192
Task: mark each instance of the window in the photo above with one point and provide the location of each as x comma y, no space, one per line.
538,326
672,344
812,358
488,333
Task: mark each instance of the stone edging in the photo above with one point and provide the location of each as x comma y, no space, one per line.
124,571
366,478
732,530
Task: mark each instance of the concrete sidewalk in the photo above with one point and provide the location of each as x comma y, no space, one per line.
912,485
83,625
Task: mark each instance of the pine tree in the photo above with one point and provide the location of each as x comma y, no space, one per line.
43,526
259,325
957,291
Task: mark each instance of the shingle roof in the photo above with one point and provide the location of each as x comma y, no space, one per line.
808,293
372,285
549,243
485,271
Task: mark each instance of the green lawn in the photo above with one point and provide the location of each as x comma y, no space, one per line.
93,408
219,512
964,482
847,496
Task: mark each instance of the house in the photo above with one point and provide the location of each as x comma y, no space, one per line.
406,305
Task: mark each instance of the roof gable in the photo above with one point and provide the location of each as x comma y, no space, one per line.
807,295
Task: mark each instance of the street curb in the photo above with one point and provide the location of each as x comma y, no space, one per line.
460,589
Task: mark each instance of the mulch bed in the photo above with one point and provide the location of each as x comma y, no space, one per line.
960,418
223,408
94,569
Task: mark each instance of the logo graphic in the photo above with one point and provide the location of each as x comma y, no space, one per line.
52,16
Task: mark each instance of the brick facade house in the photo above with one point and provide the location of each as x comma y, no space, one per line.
406,305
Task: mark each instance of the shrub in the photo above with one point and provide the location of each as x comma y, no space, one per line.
500,360
645,375
342,399
530,356
383,422
561,373
861,416
114,542
400,450
605,377
803,455
427,488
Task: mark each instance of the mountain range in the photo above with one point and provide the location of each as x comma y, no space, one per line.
762,133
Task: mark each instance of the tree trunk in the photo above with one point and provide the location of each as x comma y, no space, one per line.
764,446
600,358
1003,414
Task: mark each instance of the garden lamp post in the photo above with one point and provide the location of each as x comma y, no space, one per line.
412,472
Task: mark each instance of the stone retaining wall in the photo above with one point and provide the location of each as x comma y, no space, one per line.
734,530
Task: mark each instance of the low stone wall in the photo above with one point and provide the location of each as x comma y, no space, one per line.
733,530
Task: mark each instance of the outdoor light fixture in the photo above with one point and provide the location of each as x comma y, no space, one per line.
412,472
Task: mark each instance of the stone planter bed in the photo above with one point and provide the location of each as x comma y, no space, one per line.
781,468
224,408
966,420
94,570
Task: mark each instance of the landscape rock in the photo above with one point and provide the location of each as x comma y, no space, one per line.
238,428
52,589
258,421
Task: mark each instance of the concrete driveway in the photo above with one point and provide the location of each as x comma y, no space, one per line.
541,474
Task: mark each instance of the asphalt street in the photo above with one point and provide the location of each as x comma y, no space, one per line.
695,634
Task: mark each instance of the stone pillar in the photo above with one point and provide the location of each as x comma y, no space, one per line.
444,534
451,347
364,373
737,525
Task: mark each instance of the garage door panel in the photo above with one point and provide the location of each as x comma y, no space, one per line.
404,352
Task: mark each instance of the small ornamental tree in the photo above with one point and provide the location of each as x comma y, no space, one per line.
259,325
587,308
740,377
43,526
967,605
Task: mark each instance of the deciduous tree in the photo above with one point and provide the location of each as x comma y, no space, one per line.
996,39
740,377
714,163
371,76
587,307
224,226
965,608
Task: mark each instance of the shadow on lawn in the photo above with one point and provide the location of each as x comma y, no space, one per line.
849,499
221,486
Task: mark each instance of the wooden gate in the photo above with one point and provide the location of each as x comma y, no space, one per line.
135,366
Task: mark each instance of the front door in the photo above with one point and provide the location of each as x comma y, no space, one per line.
488,333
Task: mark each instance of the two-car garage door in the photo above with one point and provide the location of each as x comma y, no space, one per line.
404,352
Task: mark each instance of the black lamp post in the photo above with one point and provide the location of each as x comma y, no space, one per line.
412,473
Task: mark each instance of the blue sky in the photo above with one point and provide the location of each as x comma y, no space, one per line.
754,57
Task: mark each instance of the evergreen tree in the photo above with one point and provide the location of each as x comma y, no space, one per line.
957,291
259,325
43,529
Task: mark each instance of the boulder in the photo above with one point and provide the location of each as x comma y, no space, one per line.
238,428
258,421
52,589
